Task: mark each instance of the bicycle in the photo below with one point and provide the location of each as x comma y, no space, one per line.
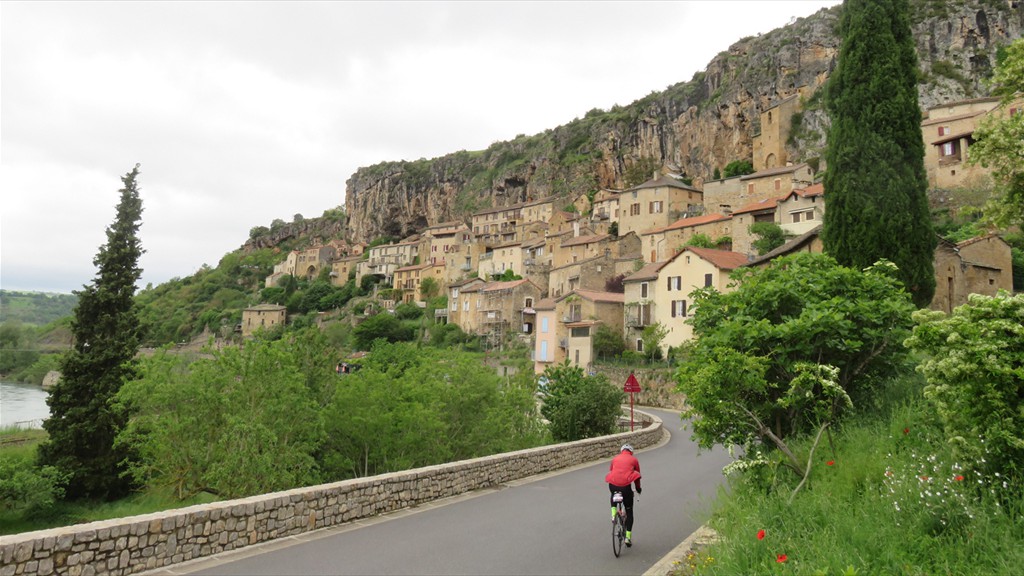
618,524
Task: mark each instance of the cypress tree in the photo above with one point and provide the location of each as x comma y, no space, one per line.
875,183
83,422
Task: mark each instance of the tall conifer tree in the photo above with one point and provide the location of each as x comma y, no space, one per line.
875,183
83,423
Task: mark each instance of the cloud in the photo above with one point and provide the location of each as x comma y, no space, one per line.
243,112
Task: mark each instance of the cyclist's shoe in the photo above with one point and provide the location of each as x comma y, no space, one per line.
629,542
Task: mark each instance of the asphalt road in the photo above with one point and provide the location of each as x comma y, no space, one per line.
557,523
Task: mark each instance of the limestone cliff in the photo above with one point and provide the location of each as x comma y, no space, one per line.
691,128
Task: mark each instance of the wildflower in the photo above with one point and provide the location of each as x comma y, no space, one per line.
906,430
781,558
830,462
959,478
760,534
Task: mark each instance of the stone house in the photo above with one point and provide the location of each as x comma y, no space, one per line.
536,261
441,241
501,258
262,317
801,210
981,265
496,225
459,303
566,326
725,196
302,264
671,303
408,279
948,132
744,217
383,260
588,246
590,274
538,211
342,268
604,211
769,146
809,242
657,202
501,308
639,300
662,243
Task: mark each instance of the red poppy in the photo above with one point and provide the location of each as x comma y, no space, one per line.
781,558
760,534
830,462
906,430
958,478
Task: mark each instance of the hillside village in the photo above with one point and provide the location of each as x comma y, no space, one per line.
622,259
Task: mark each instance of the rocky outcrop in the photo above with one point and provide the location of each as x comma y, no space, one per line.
307,231
691,128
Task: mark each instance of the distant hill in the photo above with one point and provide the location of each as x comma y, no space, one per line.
35,308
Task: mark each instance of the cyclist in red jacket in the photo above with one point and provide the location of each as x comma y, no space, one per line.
624,471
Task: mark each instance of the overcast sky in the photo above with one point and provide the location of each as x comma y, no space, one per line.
243,112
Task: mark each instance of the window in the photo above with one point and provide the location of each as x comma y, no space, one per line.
639,345
796,217
943,130
543,351
679,308
809,215
707,280
656,207
544,325
634,209
529,302
675,283
583,332
643,289
947,149
778,183
750,188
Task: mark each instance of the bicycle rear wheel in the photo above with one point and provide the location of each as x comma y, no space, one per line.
618,534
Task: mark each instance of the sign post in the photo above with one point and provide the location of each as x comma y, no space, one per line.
631,386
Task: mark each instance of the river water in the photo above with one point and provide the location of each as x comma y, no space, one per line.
22,405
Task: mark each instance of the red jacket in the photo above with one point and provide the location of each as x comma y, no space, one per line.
624,469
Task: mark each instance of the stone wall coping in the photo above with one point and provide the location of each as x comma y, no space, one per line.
158,539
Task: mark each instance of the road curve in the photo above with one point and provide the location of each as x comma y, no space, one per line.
555,523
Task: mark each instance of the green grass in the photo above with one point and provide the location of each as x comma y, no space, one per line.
894,500
20,447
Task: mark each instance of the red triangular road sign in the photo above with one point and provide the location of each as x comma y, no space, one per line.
631,384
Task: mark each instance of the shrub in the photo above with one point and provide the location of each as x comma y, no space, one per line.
975,374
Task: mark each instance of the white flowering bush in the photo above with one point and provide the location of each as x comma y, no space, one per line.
974,367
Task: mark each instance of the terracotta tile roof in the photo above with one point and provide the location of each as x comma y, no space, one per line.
663,182
812,190
791,246
773,171
722,259
648,272
599,296
953,118
581,240
951,137
688,222
545,304
496,286
768,204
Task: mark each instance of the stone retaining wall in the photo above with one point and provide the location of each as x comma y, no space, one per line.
138,543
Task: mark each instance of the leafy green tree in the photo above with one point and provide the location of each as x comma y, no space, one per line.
700,241
1000,139
28,489
608,342
652,336
380,326
876,183
974,366
408,311
717,174
770,236
738,168
787,350
243,422
429,288
82,423
580,406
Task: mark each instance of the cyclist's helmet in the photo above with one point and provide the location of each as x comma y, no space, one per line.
627,447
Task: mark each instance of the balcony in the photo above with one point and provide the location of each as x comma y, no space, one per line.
563,343
571,318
